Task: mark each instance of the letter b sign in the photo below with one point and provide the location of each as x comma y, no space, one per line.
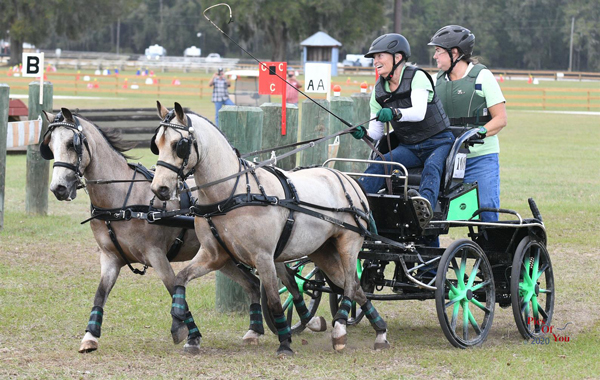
33,64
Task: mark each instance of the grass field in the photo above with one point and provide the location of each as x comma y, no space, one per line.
49,271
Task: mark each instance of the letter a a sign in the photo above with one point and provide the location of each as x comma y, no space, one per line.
33,64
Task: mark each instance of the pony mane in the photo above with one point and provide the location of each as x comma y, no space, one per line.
235,150
114,139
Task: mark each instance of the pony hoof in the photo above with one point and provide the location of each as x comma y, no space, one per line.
179,331
179,335
191,349
251,338
382,345
88,346
284,351
317,324
339,343
252,341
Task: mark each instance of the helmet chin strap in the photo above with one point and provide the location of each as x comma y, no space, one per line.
394,67
452,62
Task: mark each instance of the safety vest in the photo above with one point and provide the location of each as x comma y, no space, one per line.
462,105
409,132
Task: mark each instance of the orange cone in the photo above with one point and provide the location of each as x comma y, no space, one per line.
530,80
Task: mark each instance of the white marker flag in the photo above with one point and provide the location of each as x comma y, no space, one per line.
317,78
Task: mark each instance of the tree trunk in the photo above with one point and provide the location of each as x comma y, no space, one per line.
16,52
398,16
277,37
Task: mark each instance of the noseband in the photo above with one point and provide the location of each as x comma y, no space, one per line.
183,148
79,140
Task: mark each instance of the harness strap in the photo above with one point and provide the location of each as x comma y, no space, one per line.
459,121
113,237
176,247
244,267
290,193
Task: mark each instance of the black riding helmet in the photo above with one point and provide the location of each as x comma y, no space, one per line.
454,36
392,43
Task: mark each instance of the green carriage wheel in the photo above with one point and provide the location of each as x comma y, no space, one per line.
356,313
465,294
312,299
532,288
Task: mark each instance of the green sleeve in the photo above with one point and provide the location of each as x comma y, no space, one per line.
490,89
375,107
420,81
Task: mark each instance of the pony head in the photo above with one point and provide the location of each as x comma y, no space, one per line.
65,142
175,144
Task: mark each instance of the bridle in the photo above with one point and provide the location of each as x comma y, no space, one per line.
183,148
79,140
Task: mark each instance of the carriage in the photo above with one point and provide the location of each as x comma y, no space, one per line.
504,263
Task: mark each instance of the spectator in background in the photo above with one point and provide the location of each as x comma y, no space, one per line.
291,92
220,93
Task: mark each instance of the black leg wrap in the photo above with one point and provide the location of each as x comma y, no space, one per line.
179,307
283,329
94,326
302,310
343,311
373,316
193,331
256,319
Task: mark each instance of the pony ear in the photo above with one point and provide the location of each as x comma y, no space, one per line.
67,114
180,114
48,116
162,111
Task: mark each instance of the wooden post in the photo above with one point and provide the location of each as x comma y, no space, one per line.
271,132
4,101
343,107
357,148
229,296
315,124
38,169
243,128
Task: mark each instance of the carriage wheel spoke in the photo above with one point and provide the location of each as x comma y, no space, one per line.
452,287
473,273
536,264
465,321
526,267
454,316
480,285
480,305
541,271
474,323
287,301
525,310
542,312
450,303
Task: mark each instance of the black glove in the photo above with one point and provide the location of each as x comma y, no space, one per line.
480,135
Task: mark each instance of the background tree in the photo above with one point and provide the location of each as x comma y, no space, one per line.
517,34
34,21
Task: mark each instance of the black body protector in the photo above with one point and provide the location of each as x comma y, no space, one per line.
409,132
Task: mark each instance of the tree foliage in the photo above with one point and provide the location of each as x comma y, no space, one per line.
521,34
